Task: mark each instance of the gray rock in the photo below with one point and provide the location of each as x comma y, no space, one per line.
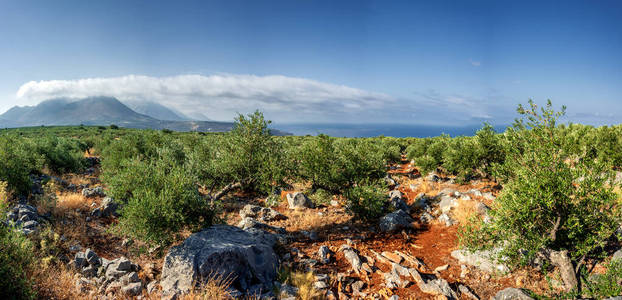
484,260
152,286
617,255
475,192
79,261
248,223
89,271
108,208
432,177
421,201
357,287
489,196
511,294
324,254
464,290
287,291
264,214
395,221
91,257
247,256
395,194
93,192
447,203
398,202
118,267
320,285
353,258
426,218
298,200
132,289
30,224
445,218
438,286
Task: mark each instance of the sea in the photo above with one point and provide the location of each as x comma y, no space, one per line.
374,130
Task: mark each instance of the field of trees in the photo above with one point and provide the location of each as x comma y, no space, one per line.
558,189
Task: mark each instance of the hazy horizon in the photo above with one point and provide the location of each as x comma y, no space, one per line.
441,63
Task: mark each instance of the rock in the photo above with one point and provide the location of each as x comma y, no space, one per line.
432,177
426,218
93,192
132,289
288,291
357,287
118,267
353,258
447,203
389,181
445,218
152,286
298,200
482,209
394,297
393,257
441,268
392,279
108,208
320,285
421,201
464,290
484,260
395,194
489,196
398,203
324,254
561,260
264,214
395,221
617,255
475,192
79,261
83,284
511,294
91,257
438,286
30,224
248,223
247,256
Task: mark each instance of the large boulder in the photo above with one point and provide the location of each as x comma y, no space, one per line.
298,200
246,255
396,220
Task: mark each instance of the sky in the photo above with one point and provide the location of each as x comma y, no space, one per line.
412,62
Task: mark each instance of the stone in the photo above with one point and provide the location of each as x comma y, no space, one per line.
438,286
264,214
298,200
353,258
118,267
89,271
357,287
396,220
398,203
79,261
93,192
132,289
464,290
484,260
320,285
152,286
563,263
426,218
91,257
445,218
489,196
246,255
511,294
324,254
249,222
30,224
432,177
288,291
393,257
482,209
475,192
447,203
617,255
441,268
421,201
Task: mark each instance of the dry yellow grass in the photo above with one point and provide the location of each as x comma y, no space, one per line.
304,283
216,288
58,282
465,211
310,219
72,201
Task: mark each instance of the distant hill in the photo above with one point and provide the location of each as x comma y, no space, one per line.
105,111
156,110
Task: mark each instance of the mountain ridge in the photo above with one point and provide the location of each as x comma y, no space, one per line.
102,111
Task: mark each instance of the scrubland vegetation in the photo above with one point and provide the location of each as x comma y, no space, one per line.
559,191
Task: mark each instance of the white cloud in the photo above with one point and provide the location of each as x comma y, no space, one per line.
475,63
217,96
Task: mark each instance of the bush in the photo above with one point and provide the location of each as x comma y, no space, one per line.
16,262
61,155
163,200
552,200
366,201
17,161
608,284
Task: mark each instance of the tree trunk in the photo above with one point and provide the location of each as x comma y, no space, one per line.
228,188
561,260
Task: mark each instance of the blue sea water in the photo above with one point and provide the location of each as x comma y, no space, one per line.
372,130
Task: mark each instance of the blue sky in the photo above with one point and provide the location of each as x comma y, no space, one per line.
423,62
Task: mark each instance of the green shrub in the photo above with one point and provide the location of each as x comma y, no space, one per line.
163,200
17,160
61,155
552,200
366,201
426,164
321,196
16,263
608,284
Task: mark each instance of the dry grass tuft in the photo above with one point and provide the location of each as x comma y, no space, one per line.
304,283
73,201
465,211
216,288
58,282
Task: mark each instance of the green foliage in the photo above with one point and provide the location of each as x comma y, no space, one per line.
61,155
321,196
552,199
366,201
17,160
16,263
606,285
163,200
426,164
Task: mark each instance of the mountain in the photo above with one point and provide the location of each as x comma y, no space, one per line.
104,111
156,110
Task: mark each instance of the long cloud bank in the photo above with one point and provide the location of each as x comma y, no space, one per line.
218,96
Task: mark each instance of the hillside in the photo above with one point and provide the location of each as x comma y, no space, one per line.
107,111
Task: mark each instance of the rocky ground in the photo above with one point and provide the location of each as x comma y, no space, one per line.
295,250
